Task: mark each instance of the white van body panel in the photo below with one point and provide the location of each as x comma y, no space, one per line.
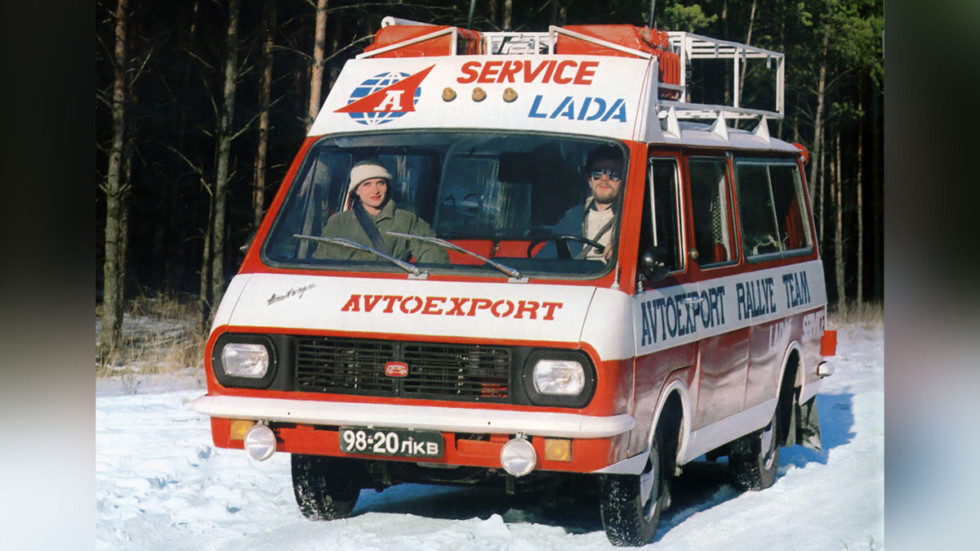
354,304
570,94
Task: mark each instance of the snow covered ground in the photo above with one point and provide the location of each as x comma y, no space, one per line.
161,484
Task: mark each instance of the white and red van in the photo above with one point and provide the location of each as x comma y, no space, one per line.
702,333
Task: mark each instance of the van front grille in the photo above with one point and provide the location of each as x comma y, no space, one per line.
435,371
344,365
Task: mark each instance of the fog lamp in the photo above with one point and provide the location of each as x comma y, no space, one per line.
518,456
260,442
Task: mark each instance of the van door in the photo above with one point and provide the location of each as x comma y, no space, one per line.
662,232
723,359
773,225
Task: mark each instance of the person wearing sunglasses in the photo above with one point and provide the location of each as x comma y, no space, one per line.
596,220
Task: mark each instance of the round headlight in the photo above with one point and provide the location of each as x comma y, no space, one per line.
518,457
245,359
559,377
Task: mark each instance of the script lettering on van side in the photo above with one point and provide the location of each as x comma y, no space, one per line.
294,292
452,306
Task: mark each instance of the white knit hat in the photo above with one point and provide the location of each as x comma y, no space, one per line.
366,170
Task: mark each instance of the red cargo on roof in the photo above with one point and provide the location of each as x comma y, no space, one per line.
437,40
468,41
643,39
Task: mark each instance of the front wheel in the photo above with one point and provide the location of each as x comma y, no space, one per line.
326,488
754,457
631,504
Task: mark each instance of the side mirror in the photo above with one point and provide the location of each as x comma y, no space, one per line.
653,263
248,242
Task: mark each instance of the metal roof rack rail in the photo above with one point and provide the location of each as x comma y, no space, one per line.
694,48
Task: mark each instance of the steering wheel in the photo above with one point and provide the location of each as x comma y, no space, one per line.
561,244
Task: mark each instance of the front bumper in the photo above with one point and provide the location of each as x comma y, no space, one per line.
472,437
446,419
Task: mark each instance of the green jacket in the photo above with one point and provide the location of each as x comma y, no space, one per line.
391,218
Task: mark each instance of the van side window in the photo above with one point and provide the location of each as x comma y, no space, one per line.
663,215
712,212
770,199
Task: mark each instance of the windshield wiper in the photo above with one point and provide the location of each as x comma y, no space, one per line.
355,245
514,274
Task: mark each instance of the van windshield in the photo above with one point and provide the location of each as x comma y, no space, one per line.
482,203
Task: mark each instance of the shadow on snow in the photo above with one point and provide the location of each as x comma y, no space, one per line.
573,503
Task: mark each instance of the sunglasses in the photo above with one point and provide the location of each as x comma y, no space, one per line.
613,175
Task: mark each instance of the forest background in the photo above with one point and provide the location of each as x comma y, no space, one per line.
202,104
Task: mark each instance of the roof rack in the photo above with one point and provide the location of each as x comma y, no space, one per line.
673,100
694,47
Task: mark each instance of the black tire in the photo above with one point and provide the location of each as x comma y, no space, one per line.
631,504
326,488
754,457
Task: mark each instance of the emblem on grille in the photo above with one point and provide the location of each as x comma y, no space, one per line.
396,369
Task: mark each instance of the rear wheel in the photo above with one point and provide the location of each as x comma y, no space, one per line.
754,457
631,504
326,488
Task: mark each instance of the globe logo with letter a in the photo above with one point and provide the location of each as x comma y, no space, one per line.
385,97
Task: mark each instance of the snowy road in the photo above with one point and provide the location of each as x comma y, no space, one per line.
161,484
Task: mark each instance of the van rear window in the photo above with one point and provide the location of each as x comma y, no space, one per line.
771,210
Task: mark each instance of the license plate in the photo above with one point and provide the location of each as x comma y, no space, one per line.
392,442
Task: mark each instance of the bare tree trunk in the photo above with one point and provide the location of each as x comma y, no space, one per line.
727,97
860,216
122,249
336,34
724,19
821,92
782,48
876,206
113,268
265,91
839,234
203,299
225,137
174,244
508,12
820,203
748,41
319,53
493,13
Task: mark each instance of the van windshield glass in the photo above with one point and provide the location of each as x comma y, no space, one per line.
517,205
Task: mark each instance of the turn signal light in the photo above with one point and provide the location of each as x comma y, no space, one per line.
239,427
557,449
